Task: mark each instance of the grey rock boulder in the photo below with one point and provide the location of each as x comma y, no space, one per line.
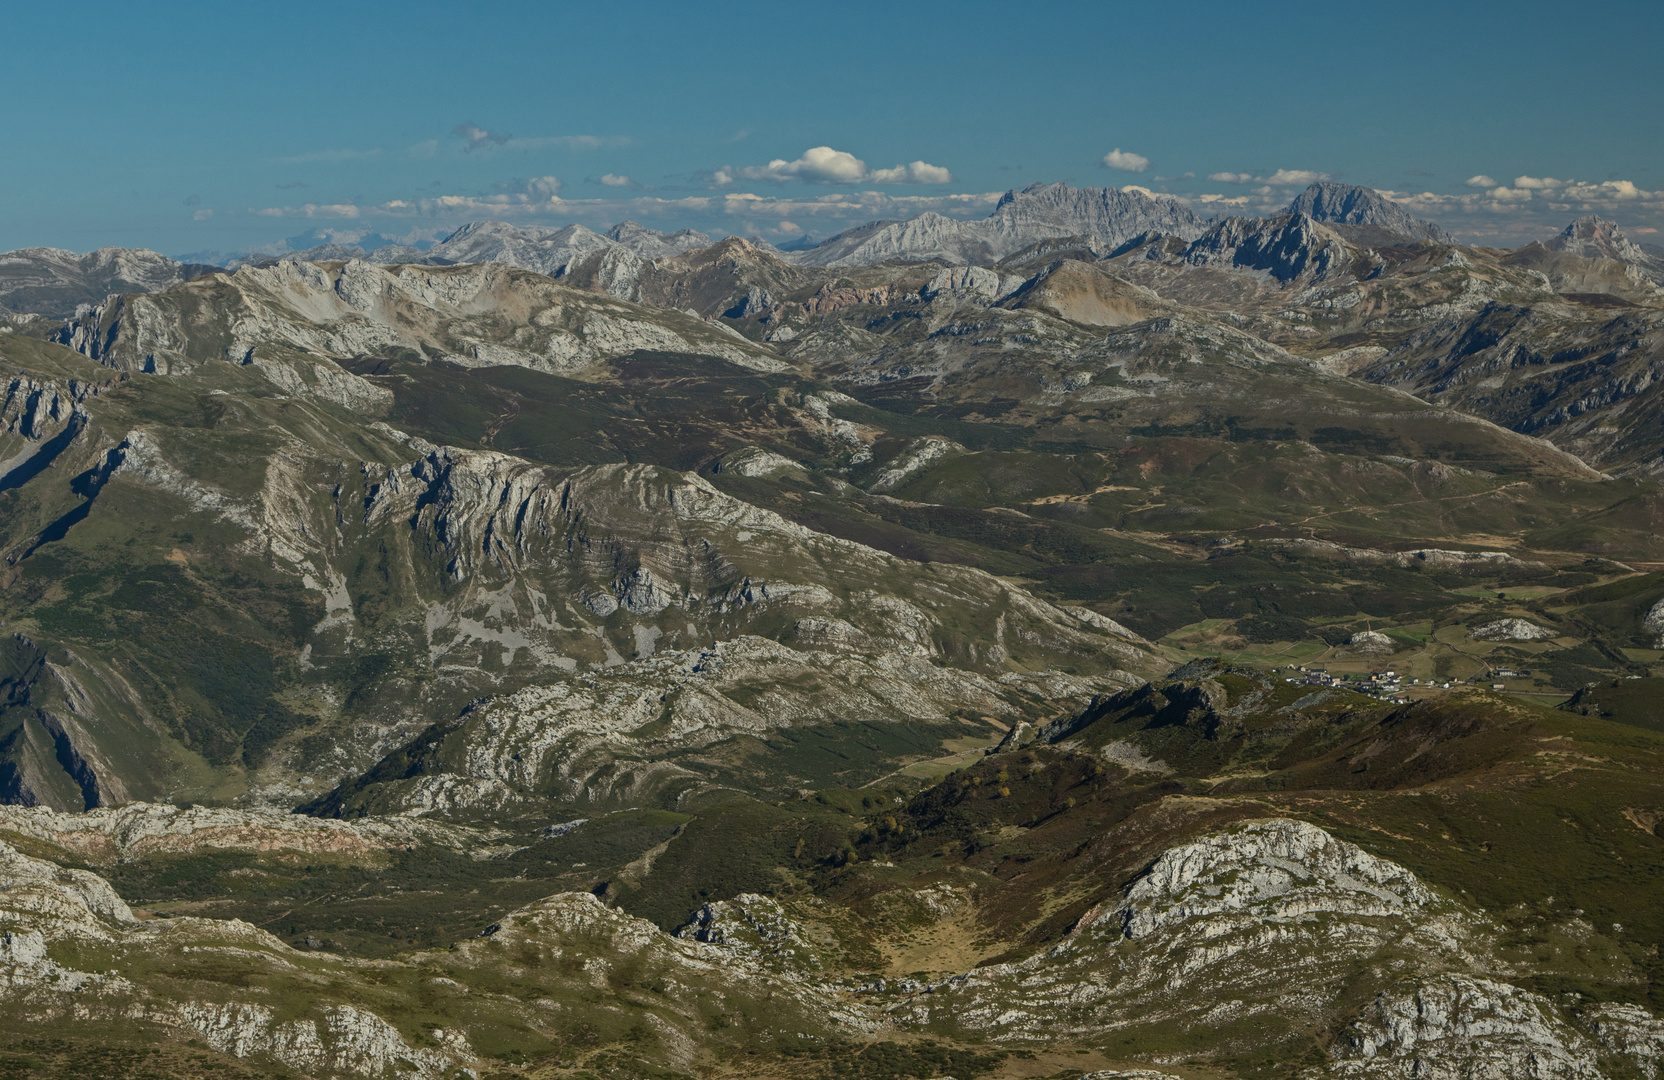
1458,1027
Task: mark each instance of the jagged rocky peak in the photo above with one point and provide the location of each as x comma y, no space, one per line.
1108,215
1594,237
557,252
652,244
1348,204
1102,218
545,251
1296,247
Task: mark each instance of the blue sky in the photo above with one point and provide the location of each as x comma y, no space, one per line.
191,127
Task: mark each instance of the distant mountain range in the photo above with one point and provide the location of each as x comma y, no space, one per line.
53,282
1105,218
1097,221
1340,267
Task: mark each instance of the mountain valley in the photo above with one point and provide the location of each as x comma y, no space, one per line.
1088,641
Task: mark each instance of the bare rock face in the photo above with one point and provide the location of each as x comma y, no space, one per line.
347,1020
653,244
138,830
1109,217
550,252
1233,939
56,900
556,252
1293,249
761,930
1262,922
617,737
1629,1031
345,1039
1456,1027
1347,204
918,454
1274,870
1512,630
611,262
1371,641
292,319
974,283
754,461
53,282
1596,238
1653,623
1105,218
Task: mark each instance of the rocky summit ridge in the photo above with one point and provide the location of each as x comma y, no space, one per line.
53,282
1103,219
1348,204
1249,925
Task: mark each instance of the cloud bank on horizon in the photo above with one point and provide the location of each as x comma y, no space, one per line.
853,192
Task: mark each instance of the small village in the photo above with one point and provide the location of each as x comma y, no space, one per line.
1389,685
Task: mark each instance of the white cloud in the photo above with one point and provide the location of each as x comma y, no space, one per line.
1534,183
822,164
475,137
1609,191
1481,181
916,172
1295,177
1280,178
1224,200
1511,214
312,210
616,180
538,188
1126,160
202,215
817,163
